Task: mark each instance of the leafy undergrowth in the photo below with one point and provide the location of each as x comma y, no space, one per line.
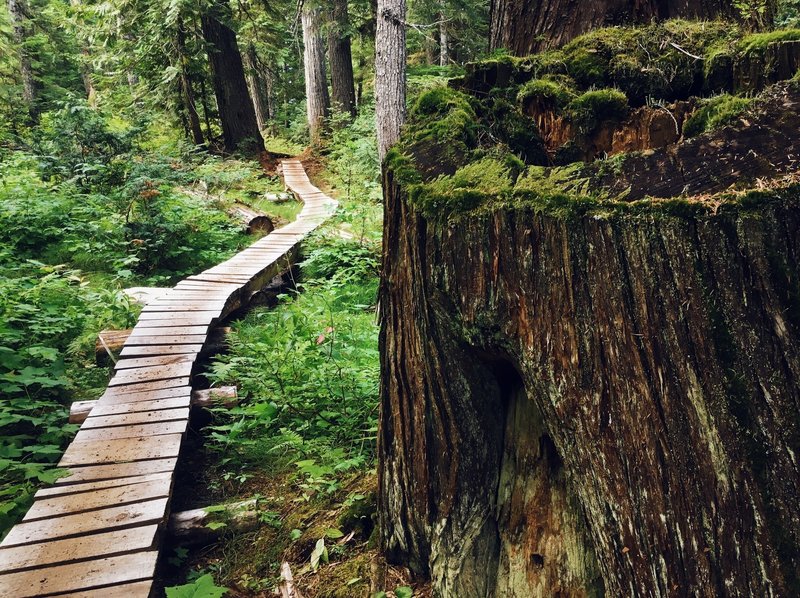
87,208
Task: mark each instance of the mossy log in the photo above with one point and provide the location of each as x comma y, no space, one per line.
592,405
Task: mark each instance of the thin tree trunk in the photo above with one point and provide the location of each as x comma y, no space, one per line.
390,73
16,11
86,73
237,116
444,48
187,91
255,83
206,109
317,98
341,58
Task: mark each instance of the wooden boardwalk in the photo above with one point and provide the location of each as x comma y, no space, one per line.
97,532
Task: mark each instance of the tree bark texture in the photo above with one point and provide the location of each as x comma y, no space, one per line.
444,44
237,116
257,86
86,72
16,11
317,99
390,73
581,404
187,89
341,59
527,26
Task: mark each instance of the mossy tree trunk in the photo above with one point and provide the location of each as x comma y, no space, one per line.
578,405
526,26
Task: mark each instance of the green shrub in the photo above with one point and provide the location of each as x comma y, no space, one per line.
716,112
592,108
307,372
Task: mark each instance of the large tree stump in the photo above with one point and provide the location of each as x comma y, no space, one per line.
584,404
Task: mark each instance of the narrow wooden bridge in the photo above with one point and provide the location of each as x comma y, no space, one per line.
97,532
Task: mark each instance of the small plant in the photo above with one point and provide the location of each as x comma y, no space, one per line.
202,587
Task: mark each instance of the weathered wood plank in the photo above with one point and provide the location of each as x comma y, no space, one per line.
55,506
159,307
146,374
143,329
139,589
140,432
103,544
140,362
80,576
138,417
146,386
200,316
121,450
114,471
147,395
151,511
183,339
64,489
138,406
155,350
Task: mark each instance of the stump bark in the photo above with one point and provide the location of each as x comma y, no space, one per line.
589,405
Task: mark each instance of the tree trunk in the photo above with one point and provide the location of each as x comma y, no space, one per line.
317,99
86,73
390,73
527,26
341,59
237,116
257,86
581,404
187,90
444,48
16,11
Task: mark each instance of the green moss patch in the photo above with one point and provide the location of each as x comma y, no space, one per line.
716,112
548,93
592,108
757,42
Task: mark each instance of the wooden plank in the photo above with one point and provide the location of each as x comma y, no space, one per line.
117,470
150,395
64,489
171,322
138,406
142,513
140,362
184,306
204,316
79,576
135,432
140,589
59,506
147,386
156,372
141,330
154,350
137,417
103,544
183,339
118,451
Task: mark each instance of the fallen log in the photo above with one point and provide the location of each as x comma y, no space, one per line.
224,395
252,220
203,526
